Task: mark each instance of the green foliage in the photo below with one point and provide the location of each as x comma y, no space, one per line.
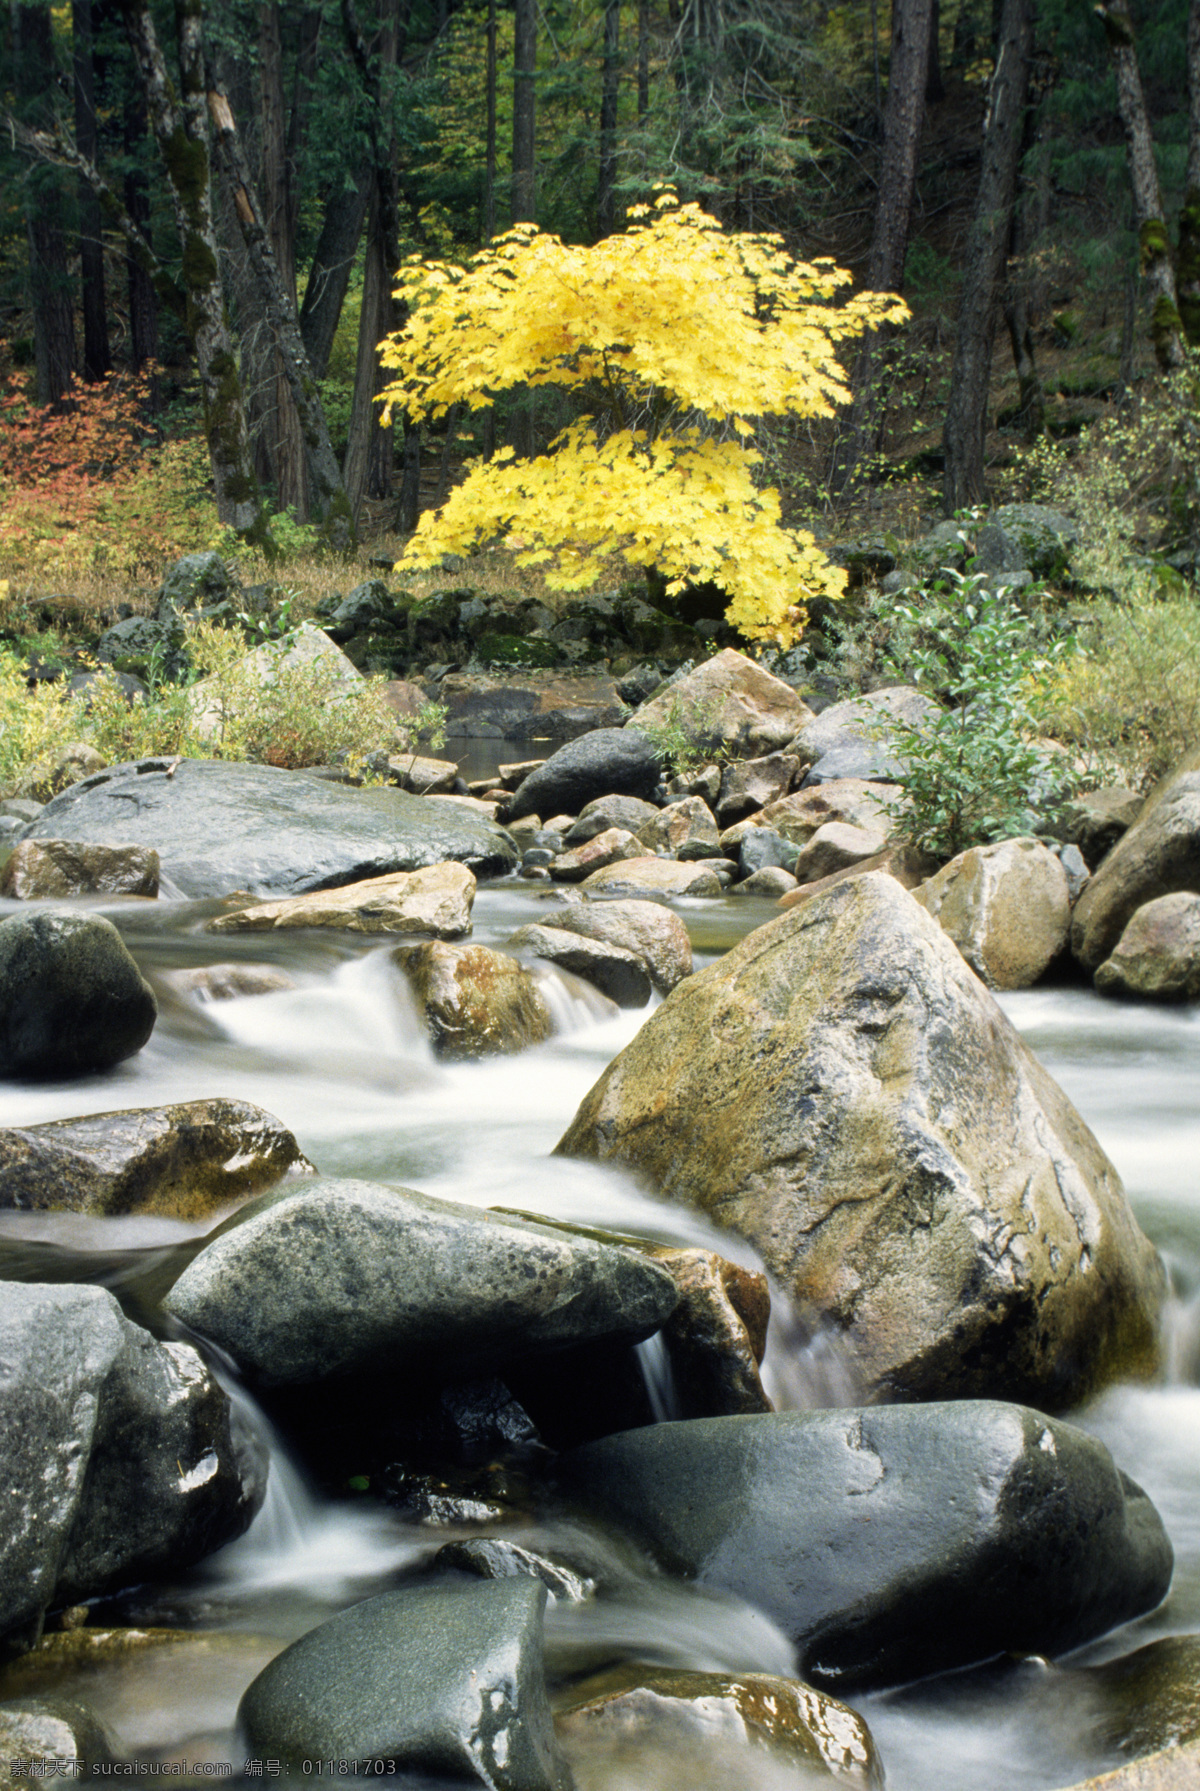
971,769
1128,700
686,738
301,712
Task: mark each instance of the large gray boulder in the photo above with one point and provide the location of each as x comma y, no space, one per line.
842,1091
729,702
863,722
71,997
333,1277
220,827
617,973
183,1161
891,1542
120,1457
1157,957
606,762
654,933
1007,907
447,1680
1159,855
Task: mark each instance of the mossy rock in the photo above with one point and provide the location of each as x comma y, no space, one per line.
516,649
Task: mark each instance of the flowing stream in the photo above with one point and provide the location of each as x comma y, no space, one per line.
341,1059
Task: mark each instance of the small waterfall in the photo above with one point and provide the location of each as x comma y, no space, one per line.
321,1547
659,1377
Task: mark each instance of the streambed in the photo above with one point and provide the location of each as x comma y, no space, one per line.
343,1063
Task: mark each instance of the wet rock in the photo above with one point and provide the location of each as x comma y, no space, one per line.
183,1161
607,762
1151,1698
475,1002
835,846
637,877
1007,907
749,784
41,869
617,973
844,1093
1158,955
220,827
627,812
120,1457
63,769
437,900
1175,1769
603,849
717,1335
494,1558
892,1542
340,1276
1159,855
652,932
51,1731
71,997
729,702
225,982
682,827
447,1680
666,1707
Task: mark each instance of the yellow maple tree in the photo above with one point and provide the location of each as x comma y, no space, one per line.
676,335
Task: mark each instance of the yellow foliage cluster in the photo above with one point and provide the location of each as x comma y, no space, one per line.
674,333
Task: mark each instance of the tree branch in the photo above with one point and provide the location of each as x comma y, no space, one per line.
61,154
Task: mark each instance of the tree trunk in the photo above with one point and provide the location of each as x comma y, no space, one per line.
524,182
97,356
487,219
609,90
643,78
987,251
1188,270
143,301
369,450
368,463
181,130
903,116
332,264
1153,242
935,87
46,211
274,187
279,305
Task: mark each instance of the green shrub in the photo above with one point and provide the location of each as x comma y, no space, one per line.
971,770
1128,699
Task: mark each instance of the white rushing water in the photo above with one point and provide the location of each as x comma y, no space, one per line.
341,1059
